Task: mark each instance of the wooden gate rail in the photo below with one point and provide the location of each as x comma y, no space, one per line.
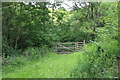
73,47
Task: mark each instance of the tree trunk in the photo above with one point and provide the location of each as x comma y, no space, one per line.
16,42
43,51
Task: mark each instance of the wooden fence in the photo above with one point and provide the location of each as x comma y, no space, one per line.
69,47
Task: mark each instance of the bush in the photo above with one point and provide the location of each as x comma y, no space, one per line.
36,52
11,63
19,57
10,55
97,63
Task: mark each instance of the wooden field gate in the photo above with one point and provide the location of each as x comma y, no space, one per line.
69,47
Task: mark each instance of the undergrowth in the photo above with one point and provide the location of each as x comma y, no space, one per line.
11,63
98,60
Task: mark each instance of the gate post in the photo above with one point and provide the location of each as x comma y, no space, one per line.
56,48
84,42
75,46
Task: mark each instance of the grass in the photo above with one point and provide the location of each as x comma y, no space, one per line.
52,66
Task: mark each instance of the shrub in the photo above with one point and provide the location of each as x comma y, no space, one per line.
36,52
11,63
97,63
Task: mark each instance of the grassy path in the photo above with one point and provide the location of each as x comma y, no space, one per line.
53,66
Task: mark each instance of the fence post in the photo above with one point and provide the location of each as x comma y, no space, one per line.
84,42
75,46
43,51
26,53
56,48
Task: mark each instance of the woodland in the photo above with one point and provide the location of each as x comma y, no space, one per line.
30,33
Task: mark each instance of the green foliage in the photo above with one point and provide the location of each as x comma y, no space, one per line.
15,61
99,56
11,63
96,63
36,53
23,28
29,28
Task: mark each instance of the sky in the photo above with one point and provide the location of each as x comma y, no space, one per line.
70,3
67,4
